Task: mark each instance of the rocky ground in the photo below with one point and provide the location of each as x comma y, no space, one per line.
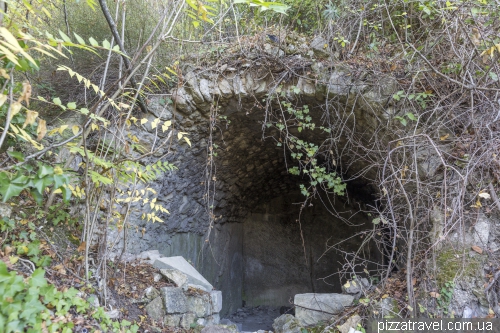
252,319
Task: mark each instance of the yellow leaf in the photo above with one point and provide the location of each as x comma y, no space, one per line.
14,109
143,121
30,118
128,123
41,130
58,170
94,127
154,123
62,128
347,285
3,98
187,140
444,137
26,94
75,129
14,44
3,73
13,259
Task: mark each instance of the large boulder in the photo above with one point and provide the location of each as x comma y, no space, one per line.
310,309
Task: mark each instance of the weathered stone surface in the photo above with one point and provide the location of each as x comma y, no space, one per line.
214,319
386,307
320,47
187,320
350,324
216,300
311,308
172,320
182,265
151,255
482,231
150,293
174,300
155,309
5,210
356,286
195,288
287,324
199,305
175,276
113,314
217,329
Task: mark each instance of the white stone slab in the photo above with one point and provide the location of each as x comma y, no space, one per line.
182,265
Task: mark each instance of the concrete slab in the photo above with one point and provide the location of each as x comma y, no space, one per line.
179,263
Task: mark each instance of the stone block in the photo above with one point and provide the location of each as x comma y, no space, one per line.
187,319
150,293
356,286
174,300
287,324
214,319
155,309
216,329
350,324
175,276
312,308
216,300
172,320
179,263
199,305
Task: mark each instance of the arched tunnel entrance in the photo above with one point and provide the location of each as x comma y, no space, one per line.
273,245
238,214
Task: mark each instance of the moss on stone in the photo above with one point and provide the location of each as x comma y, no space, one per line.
450,262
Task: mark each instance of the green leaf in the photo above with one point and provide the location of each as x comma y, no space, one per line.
411,116
64,37
17,155
45,170
79,39
4,273
57,101
106,44
38,278
59,180
71,105
93,42
10,190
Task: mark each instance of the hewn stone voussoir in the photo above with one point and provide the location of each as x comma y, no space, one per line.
205,90
193,87
225,88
